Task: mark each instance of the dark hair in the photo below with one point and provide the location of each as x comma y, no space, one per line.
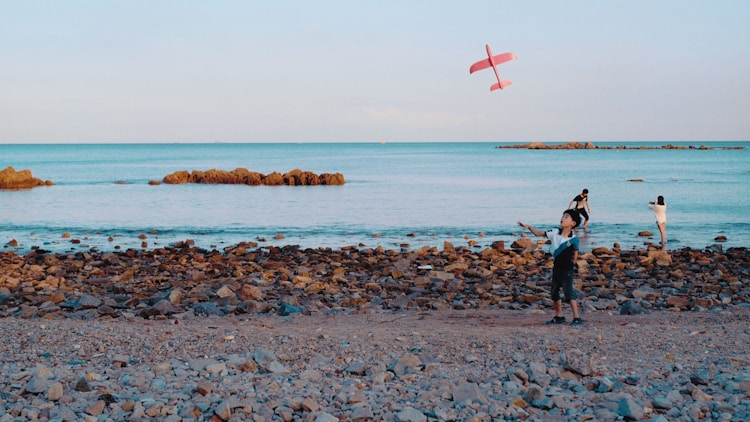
660,200
574,215
585,191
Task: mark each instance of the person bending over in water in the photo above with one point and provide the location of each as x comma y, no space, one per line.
582,203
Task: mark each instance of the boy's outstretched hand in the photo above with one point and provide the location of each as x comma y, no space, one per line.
530,228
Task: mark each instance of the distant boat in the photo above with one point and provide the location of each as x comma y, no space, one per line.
382,141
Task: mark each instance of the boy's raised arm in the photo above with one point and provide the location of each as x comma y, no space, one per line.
532,229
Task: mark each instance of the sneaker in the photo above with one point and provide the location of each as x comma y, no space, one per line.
557,320
577,321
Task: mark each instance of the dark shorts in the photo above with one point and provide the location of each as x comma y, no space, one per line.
563,279
583,213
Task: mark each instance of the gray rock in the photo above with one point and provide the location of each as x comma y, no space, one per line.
275,367
410,414
576,361
286,309
545,403
538,373
631,308
468,391
206,309
661,402
407,363
164,307
701,377
362,413
38,384
629,409
534,392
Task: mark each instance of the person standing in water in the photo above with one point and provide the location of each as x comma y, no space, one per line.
582,203
660,212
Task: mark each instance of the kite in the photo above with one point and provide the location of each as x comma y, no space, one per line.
493,61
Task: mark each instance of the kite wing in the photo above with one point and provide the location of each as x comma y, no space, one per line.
492,61
500,85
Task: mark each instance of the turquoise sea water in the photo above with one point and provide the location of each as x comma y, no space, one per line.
407,193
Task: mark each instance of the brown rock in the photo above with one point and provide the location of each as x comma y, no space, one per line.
682,302
224,292
82,385
250,292
332,179
177,177
662,258
56,298
204,388
273,179
457,267
12,179
498,245
601,251
523,243
529,298
243,176
249,366
96,409
590,145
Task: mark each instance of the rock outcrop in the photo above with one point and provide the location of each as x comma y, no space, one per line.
12,179
589,145
243,176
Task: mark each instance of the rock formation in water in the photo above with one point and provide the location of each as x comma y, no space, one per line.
243,176
589,145
12,179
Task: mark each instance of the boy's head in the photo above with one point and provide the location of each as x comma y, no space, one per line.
574,216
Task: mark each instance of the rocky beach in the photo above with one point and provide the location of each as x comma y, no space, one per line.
451,333
272,211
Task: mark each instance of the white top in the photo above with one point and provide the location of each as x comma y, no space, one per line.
660,212
557,240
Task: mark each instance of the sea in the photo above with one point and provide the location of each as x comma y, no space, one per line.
401,196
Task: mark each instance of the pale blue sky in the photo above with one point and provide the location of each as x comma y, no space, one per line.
366,71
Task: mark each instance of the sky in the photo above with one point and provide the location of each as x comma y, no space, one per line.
101,71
